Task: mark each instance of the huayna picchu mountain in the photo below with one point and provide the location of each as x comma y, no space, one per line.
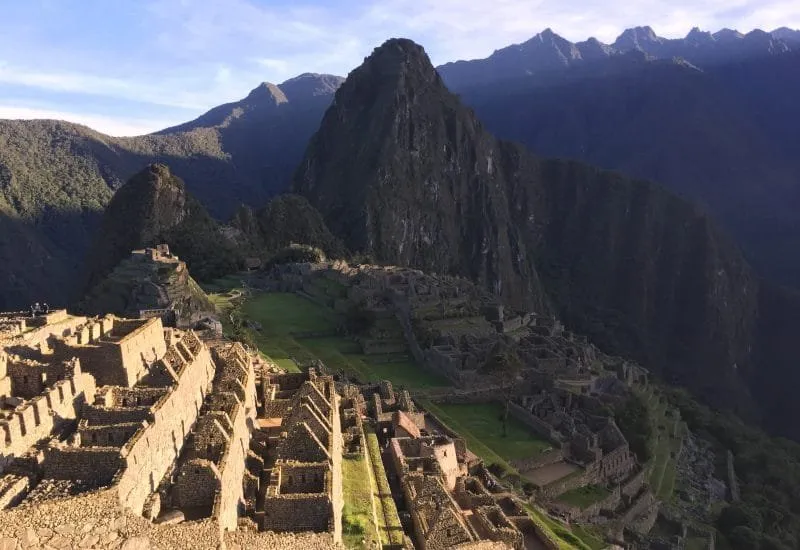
152,208
402,171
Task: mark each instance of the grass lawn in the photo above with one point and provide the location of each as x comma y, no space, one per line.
564,537
282,314
482,421
583,497
358,526
669,435
388,521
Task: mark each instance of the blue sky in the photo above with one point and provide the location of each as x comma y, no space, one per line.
128,67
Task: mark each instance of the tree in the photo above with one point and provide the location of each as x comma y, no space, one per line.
505,364
633,419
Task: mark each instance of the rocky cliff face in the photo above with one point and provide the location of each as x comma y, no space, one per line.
401,170
154,207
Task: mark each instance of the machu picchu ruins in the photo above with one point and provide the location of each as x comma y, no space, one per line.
155,428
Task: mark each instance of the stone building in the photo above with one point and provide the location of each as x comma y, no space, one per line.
300,441
436,482
151,417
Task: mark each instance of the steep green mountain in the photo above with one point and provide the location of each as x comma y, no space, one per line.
56,177
152,208
401,170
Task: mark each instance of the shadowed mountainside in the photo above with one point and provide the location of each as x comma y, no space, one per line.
56,177
718,131
401,170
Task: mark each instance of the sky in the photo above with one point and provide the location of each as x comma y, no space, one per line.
129,67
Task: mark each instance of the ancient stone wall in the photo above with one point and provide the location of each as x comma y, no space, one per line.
633,485
151,451
197,483
231,499
561,486
110,435
639,506
37,418
298,477
95,464
298,512
543,459
98,415
140,348
541,428
13,489
494,522
135,397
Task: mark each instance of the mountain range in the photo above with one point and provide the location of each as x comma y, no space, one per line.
716,125
56,177
404,171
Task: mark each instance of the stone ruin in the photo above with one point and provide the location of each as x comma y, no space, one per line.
448,506
124,417
300,445
152,282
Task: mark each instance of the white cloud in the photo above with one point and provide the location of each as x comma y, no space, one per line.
463,29
113,126
191,55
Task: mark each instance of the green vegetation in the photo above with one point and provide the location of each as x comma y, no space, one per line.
583,497
633,418
575,539
358,525
768,470
667,435
483,422
284,317
288,219
388,520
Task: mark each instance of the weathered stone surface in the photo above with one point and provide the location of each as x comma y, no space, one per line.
29,538
136,543
89,540
8,543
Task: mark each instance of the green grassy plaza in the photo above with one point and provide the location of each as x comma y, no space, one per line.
287,319
358,525
583,497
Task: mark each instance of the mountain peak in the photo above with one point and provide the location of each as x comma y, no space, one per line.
310,85
636,37
398,51
267,91
728,34
696,35
397,57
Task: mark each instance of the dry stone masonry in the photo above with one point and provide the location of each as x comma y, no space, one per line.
122,433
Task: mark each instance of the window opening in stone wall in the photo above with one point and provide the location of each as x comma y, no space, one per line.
24,379
290,480
110,437
208,450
